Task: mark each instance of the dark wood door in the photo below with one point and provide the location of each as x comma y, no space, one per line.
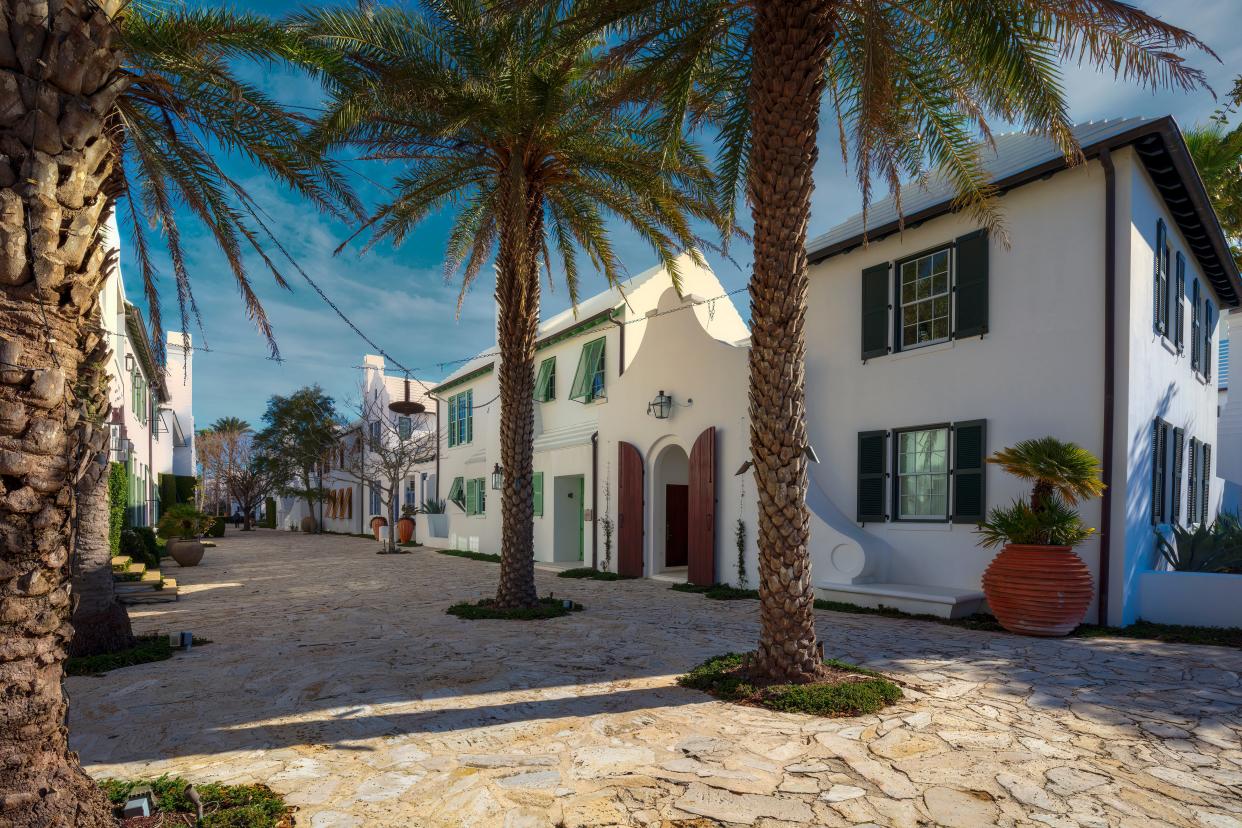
676,522
701,543
629,511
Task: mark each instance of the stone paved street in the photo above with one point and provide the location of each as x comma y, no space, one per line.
337,678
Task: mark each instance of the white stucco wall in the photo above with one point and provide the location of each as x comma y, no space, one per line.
1159,382
1036,372
1229,425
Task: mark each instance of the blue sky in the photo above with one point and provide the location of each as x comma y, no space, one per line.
400,298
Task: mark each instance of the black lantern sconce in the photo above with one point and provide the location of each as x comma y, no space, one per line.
661,407
129,362
498,476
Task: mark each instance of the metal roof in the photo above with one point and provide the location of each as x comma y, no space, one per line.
1020,158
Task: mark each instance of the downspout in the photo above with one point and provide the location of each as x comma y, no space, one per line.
1110,374
438,438
620,347
151,426
595,499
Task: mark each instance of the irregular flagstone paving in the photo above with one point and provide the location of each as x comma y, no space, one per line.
336,677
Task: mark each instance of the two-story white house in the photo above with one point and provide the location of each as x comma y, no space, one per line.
582,359
1094,321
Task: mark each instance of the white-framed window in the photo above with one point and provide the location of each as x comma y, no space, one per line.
924,299
461,418
922,456
375,427
405,427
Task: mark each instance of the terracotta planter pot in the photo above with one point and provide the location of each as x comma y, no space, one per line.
376,523
185,551
308,524
405,529
1038,590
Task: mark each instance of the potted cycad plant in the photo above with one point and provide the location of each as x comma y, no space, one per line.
181,527
1038,585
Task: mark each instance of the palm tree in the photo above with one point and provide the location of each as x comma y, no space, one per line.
910,84
1055,468
1217,152
103,101
515,123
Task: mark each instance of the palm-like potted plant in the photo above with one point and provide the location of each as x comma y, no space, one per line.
182,526
405,524
1038,585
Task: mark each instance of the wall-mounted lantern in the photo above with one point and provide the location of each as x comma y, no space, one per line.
129,362
661,406
498,476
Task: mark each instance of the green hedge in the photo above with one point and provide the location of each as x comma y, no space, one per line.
118,492
217,528
269,518
186,484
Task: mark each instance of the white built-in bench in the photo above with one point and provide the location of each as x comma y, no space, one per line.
944,602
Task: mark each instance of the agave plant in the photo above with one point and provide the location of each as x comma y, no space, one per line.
1204,548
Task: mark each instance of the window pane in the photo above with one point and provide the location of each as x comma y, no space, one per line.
923,473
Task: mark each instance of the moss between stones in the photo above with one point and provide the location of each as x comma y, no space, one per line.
719,592
148,648
486,609
474,556
224,806
848,690
593,574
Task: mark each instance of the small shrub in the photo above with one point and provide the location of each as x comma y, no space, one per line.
486,609
150,544
592,574
216,528
148,648
118,494
719,592
134,545
184,521
854,691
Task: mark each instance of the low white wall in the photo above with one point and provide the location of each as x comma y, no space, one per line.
1202,599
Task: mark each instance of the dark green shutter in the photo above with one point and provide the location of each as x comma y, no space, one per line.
969,471
1205,474
1159,308
537,493
971,289
1179,448
875,309
1158,446
1179,296
1196,341
872,463
1192,483
1208,326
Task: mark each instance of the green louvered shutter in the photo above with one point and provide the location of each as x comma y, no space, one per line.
875,311
472,497
971,288
1208,326
969,471
1196,327
1158,446
872,480
583,388
1160,284
1179,299
1192,483
469,400
537,493
545,388
1205,474
457,493
452,422
1179,450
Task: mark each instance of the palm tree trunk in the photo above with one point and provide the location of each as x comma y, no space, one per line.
517,301
790,45
58,73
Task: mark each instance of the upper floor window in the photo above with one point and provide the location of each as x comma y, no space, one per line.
545,381
375,427
923,293
589,378
461,418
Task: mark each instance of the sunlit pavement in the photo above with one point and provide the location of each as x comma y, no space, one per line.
336,677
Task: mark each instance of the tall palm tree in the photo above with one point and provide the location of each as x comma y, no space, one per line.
103,102
911,85
1217,152
515,124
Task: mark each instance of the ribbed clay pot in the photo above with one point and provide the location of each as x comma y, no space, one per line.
376,523
1038,590
405,529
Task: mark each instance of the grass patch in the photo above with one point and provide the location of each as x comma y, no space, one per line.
486,609
592,574
224,806
154,647
474,556
847,690
1141,630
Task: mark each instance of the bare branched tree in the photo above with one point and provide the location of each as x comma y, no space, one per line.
387,449
251,478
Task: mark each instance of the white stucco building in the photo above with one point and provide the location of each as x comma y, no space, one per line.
152,420
1093,317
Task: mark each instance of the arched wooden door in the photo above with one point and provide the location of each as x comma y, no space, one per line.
701,569
629,511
